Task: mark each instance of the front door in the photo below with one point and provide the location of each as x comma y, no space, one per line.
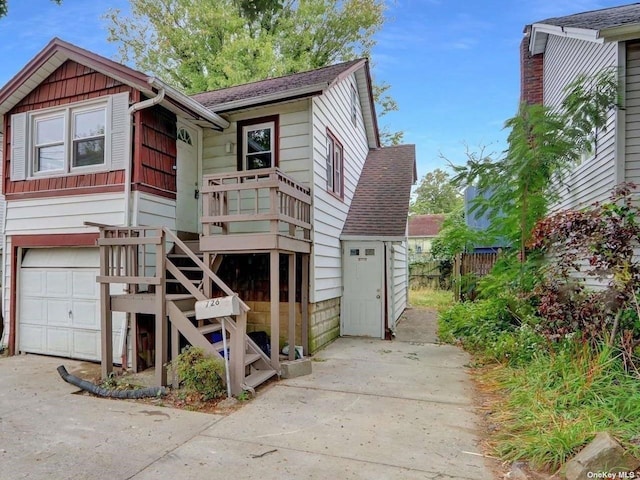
363,298
187,180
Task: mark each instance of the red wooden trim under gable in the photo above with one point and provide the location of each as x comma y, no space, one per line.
31,241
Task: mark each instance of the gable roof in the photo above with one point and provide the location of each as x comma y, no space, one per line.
425,225
58,51
380,204
295,86
607,24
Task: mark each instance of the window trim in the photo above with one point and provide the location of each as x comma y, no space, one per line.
68,112
331,188
354,105
241,143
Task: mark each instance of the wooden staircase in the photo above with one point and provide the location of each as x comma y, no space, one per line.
185,282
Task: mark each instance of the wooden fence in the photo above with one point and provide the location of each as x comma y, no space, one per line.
426,272
467,267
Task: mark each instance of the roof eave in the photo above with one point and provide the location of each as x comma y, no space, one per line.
369,237
541,31
621,33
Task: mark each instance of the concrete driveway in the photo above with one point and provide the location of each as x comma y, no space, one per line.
371,409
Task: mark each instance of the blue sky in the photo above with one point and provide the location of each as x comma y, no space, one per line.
453,65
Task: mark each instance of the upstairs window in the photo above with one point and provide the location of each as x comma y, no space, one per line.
68,139
335,166
258,143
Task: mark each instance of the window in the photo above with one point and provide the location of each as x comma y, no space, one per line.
258,140
184,136
335,165
68,139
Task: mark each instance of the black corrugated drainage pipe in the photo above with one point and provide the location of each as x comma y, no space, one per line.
104,392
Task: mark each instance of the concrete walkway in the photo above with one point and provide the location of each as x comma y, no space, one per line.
371,409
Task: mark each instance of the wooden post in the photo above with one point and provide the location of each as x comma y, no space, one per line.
175,351
161,316
238,348
304,304
292,306
106,321
274,282
207,287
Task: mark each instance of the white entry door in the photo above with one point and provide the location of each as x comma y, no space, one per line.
187,216
59,304
363,298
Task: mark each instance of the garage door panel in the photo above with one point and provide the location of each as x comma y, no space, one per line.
57,311
85,314
33,312
58,341
33,338
58,284
86,344
32,282
84,284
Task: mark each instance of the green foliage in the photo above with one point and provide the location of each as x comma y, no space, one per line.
200,373
4,7
556,403
455,236
543,144
211,44
436,194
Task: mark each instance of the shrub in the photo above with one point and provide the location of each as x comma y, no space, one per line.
200,373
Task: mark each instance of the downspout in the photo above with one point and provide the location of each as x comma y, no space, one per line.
127,182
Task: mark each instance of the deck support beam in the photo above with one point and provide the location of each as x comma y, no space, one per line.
304,304
292,306
274,298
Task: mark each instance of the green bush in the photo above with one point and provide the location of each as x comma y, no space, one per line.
200,373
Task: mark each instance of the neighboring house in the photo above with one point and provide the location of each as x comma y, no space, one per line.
170,199
422,230
553,52
480,222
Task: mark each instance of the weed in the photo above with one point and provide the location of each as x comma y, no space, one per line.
426,297
200,373
243,396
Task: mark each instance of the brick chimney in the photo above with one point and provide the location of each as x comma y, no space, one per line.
531,72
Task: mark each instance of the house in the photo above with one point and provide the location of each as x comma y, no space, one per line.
553,52
422,230
251,193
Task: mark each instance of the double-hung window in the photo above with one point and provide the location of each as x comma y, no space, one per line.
258,141
69,139
335,166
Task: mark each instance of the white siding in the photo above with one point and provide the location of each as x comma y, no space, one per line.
632,131
154,211
564,60
332,110
294,141
398,281
63,214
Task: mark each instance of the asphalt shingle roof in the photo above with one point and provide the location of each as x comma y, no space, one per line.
425,225
381,201
599,19
324,75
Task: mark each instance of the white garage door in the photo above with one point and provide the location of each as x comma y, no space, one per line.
59,304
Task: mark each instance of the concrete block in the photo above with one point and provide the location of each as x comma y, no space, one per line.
603,455
295,368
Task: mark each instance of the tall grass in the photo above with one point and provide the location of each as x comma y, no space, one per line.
556,404
429,298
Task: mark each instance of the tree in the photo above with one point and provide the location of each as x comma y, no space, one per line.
436,194
208,44
543,144
4,7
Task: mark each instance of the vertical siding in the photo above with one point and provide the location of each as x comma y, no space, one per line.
632,124
293,138
564,59
333,110
6,291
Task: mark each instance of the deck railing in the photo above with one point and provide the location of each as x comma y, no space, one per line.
257,201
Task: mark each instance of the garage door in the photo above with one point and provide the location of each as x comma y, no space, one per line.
59,304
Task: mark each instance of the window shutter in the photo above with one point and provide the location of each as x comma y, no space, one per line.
120,118
18,147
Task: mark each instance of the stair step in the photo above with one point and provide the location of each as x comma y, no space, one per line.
190,269
184,255
173,280
214,327
175,297
189,313
258,377
249,358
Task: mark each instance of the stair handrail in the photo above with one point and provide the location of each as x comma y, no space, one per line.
205,269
